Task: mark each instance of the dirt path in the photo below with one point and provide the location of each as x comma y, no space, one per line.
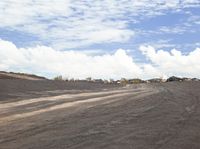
159,116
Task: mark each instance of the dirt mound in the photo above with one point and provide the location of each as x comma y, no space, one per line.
12,75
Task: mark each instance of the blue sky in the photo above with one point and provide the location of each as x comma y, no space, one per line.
96,29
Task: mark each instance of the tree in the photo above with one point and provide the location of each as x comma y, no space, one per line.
89,79
58,78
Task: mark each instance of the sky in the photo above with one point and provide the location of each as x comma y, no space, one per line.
101,38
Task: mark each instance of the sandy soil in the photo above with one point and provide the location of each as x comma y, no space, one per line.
146,116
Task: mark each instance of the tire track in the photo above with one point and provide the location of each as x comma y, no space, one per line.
113,96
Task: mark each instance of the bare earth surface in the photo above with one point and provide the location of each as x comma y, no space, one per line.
145,116
17,89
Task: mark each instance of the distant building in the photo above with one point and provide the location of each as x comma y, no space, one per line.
135,81
156,80
187,79
173,78
98,81
195,79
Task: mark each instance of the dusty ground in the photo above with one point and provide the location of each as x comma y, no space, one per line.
148,116
17,89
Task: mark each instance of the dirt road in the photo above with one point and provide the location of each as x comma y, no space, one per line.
147,116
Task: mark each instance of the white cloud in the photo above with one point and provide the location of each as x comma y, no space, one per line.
75,64
191,2
193,20
70,24
110,35
159,44
45,60
174,62
174,30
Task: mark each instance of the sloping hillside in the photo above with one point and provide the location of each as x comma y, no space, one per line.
12,75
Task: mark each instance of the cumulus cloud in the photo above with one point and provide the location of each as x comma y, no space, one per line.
174,62
45,60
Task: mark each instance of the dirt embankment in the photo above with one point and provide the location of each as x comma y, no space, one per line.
12,75
11,89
